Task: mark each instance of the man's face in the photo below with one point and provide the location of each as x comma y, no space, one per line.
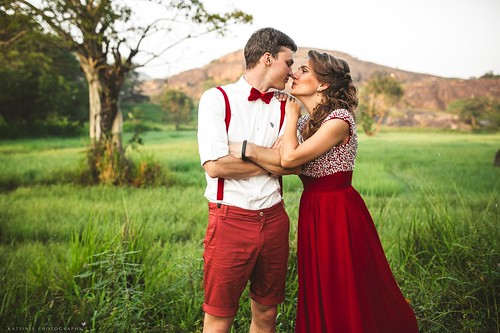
281,68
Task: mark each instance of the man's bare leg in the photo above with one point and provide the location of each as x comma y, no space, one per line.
263,318
213,324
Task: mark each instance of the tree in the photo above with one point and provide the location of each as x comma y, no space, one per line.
131,91
39,83
106,40
380,93
477,110
490,75
177,106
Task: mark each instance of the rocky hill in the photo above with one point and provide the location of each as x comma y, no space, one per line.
424,103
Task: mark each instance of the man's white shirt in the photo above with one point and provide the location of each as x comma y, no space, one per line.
256,122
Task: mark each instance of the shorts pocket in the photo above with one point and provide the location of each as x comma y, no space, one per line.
212,224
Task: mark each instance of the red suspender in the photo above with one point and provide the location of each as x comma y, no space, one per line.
227,119
282,108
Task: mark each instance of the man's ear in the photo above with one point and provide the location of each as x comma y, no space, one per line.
267,57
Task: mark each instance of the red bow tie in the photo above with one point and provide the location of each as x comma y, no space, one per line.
255,95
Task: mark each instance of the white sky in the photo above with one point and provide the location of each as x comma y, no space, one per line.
449,38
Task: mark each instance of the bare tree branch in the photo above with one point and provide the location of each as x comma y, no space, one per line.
13,39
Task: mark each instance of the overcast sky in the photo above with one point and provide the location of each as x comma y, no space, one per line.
449,38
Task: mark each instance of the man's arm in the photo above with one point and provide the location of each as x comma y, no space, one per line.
212,141
267,158
231,167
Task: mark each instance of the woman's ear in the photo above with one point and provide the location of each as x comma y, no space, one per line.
322,86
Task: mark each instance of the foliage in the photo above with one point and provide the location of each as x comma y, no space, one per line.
142,117
380,93
131,92
478,111
129,259
109,279
107,36
490,75
106,166
41,87
107,39
177,106
454,265
143,112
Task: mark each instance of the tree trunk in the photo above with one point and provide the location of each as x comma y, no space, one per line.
92,76
106,159
95,132
112,119
105,117
473,123
496,162
368,130
368,125
379,122
117,129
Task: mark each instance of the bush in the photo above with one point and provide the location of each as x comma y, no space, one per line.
108,165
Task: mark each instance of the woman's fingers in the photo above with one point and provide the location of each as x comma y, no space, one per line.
281,95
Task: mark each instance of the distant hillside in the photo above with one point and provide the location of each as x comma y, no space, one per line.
423,93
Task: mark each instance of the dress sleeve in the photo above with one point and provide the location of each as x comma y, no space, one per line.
343,115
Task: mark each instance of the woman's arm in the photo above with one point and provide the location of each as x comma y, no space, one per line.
330,134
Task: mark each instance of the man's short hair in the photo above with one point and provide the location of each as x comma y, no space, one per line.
266,40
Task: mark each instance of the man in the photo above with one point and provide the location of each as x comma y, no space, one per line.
247,233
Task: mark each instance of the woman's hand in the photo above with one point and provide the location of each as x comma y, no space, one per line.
281,95
293,107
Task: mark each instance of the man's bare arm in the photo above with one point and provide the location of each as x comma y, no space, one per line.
267,158
231,167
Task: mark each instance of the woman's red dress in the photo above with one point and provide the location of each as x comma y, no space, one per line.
345,282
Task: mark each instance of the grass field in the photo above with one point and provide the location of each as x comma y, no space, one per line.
126,259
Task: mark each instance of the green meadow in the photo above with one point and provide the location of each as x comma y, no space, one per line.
129,259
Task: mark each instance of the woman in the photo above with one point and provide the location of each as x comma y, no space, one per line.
345,282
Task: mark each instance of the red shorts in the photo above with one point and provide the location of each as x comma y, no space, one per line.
244,245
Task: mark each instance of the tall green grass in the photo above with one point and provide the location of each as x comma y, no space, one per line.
111,259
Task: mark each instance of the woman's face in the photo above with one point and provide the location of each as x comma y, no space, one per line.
304,81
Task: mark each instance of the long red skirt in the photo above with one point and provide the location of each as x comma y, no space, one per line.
345,282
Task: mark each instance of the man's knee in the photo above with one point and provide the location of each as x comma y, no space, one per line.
264,314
